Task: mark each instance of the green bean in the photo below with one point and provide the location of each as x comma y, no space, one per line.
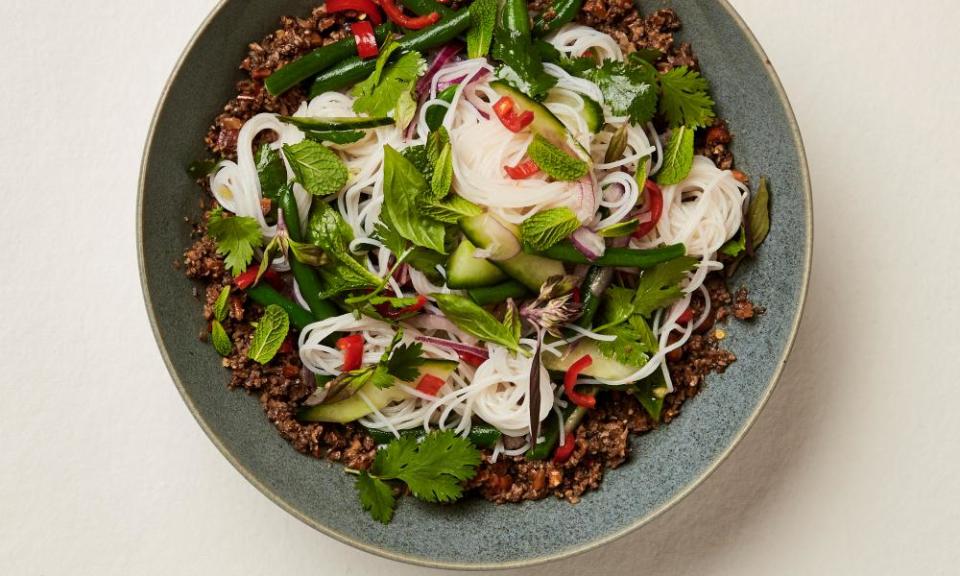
306,276
314,62
498,293
424,7
265,295
352,70
572,416
596,281
617,257
481,435
564,11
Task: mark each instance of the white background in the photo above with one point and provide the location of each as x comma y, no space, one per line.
852,469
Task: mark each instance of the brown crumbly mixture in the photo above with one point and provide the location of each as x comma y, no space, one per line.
602,440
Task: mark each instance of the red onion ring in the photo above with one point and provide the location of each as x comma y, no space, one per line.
455,346
588,243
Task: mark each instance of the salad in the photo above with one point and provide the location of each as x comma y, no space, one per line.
472,247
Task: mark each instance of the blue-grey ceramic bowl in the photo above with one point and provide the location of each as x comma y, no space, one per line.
667,464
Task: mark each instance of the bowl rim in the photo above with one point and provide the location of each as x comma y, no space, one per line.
535,560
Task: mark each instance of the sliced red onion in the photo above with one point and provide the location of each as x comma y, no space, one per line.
587,199
446,53
444,84
588,243
455,346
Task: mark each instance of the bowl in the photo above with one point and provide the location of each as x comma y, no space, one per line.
666,464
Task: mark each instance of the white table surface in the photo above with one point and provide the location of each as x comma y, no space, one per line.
852,469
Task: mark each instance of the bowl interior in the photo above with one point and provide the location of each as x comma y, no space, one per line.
665,464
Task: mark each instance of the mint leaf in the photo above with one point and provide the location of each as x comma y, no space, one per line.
269,335
342,272
270,171
375,497
220,305
629,88
473,319
220,339
483,17
685,98
660,285
236,237
388,89
556,163
544,229
677,157
404,191
316,168
758,215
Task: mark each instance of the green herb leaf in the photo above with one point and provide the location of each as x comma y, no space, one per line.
316,168
677,157
237,237
522,66
335,136
405,361
544,229
511,319
342,272
483,17
451,210
556,163
758,215
375,497
649,55
388,89
685,98
268,337
473,319
617,145
440,154
660,285
202,168
620,229
404,189
629,88
626,349
434,469
734,246
220,305
220,339
650,392
270,171
617,305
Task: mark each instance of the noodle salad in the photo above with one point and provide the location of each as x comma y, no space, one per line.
477,225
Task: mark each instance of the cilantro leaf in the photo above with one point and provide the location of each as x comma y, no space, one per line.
434,471
483,17
220,339
220,305
237,237
627,348
269,335
677,157
685,98
557,164
734,246
405,361
629,88
473,319
660,285
316,168
403,190
617,305
376,497
388,89
546,228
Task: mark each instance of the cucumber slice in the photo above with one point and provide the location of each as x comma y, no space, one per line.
488,233
593,114
342,123
544,120
464,270
353,408
602,367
